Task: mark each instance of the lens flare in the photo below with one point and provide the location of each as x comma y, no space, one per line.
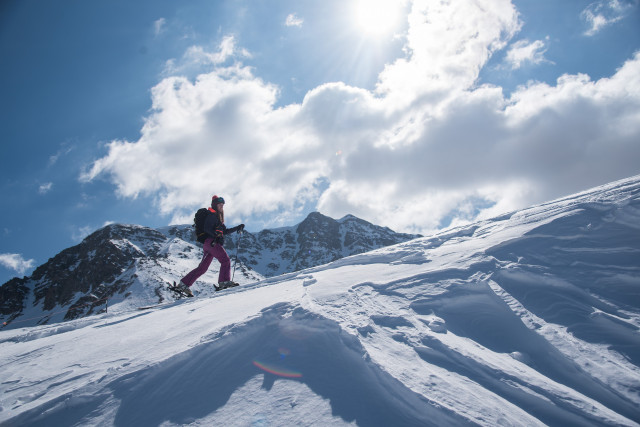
284,352
277,370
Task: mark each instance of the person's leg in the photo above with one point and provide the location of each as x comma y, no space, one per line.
221,255
202,268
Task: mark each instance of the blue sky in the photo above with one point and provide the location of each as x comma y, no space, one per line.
411,114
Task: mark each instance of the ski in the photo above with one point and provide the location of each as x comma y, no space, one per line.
168,303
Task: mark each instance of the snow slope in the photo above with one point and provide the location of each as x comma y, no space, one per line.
528,319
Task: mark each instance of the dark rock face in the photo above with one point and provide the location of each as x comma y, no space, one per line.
13,296
81,278
184,232
91,265
91,269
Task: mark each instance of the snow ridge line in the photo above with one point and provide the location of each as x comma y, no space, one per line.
54,313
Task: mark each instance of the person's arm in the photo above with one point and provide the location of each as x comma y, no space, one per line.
235,229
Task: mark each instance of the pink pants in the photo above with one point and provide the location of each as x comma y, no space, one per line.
210,252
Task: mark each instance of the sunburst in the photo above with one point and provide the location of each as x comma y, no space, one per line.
377,17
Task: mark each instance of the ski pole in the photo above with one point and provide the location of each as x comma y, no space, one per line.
237,250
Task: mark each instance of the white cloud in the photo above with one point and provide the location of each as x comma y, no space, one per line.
16,263
526,51
158,26
603,13
79,233
45,188
227,49
197,59
293,21
63,151
447,44
428,147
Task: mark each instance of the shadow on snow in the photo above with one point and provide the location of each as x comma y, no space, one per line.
300,345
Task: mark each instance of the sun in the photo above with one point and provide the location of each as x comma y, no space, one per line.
377,17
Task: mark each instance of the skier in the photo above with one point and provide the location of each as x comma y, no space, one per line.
213,248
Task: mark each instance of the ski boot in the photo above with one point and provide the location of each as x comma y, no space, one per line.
225,285
183,289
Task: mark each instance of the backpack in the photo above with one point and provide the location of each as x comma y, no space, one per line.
198,223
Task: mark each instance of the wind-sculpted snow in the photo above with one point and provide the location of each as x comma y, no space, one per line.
343,381
528,319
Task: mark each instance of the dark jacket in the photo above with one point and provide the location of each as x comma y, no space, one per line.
216,229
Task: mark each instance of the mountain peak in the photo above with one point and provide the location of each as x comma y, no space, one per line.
114,261
317,216
317,240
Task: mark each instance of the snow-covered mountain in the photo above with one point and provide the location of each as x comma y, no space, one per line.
126,266
531,318
315,241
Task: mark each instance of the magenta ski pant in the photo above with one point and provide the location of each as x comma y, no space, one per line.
210,252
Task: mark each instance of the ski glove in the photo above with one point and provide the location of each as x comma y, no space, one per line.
219,239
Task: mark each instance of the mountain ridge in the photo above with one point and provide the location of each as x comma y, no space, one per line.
105,266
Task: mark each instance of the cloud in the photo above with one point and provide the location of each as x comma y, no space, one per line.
525,51
503,153
197,58
159,26
199,55
447,45
16,263
64,150
603,13
45,188
426,149
293,21
79,233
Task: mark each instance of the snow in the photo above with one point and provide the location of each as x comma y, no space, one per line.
531,318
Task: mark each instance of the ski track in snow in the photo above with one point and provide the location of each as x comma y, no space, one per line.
531,318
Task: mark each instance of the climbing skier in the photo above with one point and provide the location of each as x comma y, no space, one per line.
213,246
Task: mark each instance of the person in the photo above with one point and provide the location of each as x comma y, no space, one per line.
213,247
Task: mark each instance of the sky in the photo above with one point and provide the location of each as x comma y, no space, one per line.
410,114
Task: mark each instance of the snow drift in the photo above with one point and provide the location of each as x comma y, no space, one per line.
531,318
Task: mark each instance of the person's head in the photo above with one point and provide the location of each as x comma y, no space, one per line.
217,203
